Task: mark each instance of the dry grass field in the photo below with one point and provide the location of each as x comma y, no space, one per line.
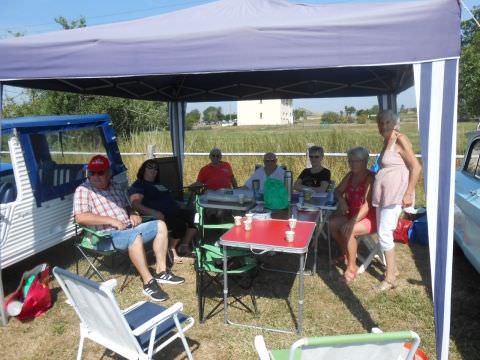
331,307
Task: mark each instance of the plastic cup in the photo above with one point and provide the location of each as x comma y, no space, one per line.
289,235
238,220
247,225
241,198
292,223
249,217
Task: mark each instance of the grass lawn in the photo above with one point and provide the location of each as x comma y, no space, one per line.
331,307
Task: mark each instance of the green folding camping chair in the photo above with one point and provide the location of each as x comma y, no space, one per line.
373,346
242,265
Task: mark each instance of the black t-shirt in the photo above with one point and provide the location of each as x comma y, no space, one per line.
154,198
314,180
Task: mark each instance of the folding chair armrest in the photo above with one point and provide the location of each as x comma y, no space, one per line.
226,226
261,348
93,232
153,322
110,284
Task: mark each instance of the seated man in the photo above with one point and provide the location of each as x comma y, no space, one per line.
216,175
101,204
269,169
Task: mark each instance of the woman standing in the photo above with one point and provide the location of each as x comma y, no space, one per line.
357,216
394,188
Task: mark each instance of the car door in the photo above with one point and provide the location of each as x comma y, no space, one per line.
467,203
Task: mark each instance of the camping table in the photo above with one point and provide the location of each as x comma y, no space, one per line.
323,228
268,235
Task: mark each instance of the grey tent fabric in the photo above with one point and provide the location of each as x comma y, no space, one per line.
166,57
254,49
176,114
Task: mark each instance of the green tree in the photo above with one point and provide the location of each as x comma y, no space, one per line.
300,114
192,118
330,117
212,114
71,24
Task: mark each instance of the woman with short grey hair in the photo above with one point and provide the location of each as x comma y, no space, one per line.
355,216
394,188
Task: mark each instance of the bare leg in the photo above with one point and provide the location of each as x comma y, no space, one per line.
391,274
336,233
136,253
173,247
160,244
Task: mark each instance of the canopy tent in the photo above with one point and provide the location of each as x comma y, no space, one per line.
261,49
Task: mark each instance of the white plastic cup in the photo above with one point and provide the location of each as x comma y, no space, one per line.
247,225
238,220
241,198
289,235
249,217
292,223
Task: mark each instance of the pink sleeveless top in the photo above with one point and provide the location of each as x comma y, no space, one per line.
356,197
392,180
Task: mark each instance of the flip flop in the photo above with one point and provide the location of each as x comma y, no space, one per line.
386,285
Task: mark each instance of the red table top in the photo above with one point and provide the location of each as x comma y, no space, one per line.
270,235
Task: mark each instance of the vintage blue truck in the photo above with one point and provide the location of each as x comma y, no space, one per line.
39,171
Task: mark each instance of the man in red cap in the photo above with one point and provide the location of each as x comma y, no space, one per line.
102,205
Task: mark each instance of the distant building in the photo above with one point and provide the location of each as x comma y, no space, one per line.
265,112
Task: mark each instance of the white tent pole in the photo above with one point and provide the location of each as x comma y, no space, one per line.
2,298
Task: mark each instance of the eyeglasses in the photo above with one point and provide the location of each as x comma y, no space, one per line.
269,160
314,156
152,167
216,155
98,173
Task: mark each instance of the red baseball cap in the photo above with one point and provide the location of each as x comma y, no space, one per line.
98,163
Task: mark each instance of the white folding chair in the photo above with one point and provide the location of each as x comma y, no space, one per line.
137,332
374,252
379,346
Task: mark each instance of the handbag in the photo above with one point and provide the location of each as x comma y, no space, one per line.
401,232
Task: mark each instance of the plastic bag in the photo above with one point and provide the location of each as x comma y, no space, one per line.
401,232
37,299
419,231
275,194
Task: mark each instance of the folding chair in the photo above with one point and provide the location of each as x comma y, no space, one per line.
209,266
373,346
137,332
87,243
374,251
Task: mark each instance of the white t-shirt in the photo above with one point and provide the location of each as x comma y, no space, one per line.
260,174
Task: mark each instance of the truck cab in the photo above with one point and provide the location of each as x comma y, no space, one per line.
42,161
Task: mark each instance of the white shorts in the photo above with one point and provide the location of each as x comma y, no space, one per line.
387,219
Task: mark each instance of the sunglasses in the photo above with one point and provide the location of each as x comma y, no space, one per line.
269,160
314,156
216,155
98,173
152,167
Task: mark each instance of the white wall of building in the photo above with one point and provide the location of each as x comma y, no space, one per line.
265,112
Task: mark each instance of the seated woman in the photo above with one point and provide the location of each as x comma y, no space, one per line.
147,199
356,215
317,178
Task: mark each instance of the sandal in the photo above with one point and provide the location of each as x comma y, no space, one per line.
349,276
386,285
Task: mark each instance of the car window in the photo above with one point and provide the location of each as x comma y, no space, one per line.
472,165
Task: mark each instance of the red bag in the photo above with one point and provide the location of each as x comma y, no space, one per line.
401,232
38,298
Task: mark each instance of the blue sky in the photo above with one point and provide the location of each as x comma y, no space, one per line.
36,16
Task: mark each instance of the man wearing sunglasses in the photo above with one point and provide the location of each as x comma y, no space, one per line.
270,169
218,174
102,205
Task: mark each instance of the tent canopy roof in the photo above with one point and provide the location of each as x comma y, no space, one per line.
241,49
